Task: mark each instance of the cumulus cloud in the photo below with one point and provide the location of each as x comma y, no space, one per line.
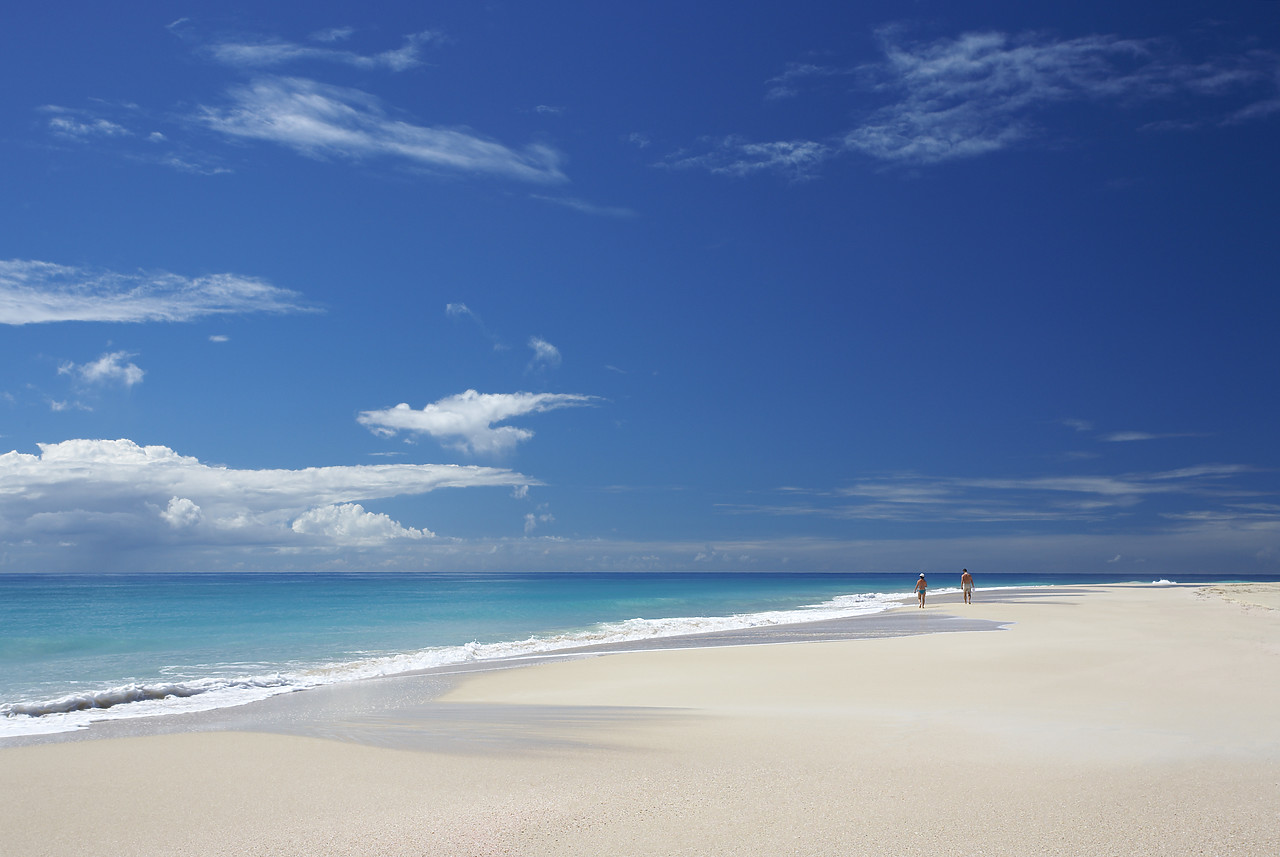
324,121
349,524
467,421
105,489
107,369
33,292
181,513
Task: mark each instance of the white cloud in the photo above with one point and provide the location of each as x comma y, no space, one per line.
586,207
33,292
940,500
532,520
982,92
787,84
333,34
466,421
1133,436
319,120
112,490
737,156
181,512
544,353
109,368
272,52
976,93
76,125
461,310
349,524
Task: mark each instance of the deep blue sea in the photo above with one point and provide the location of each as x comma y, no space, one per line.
79,648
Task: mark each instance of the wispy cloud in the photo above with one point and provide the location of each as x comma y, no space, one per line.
983,92
305,115
131,132
586,207
265,52
466,422
81,125
916,498
788,84
737,156
110,368
544,353
460,311
106,490
322,121
33,292
532,520
1134,436
333,34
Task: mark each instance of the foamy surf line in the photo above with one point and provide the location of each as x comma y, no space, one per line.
77,711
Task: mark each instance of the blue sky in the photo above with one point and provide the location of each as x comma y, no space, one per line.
461,286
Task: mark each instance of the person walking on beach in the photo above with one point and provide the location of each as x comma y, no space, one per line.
921,586
966,584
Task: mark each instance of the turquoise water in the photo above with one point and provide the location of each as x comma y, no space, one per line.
75,648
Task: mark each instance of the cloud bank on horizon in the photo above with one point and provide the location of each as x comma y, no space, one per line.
117,492
880,295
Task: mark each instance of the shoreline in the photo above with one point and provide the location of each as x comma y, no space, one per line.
1118,719
309,712
86,707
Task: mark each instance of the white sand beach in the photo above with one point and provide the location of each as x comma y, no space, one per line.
1111,720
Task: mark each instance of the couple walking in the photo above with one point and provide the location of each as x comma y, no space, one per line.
966,586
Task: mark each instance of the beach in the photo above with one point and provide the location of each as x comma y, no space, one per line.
1113,719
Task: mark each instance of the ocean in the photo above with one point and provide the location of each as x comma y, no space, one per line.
80,648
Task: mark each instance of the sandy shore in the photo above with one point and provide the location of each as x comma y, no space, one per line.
1102,720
